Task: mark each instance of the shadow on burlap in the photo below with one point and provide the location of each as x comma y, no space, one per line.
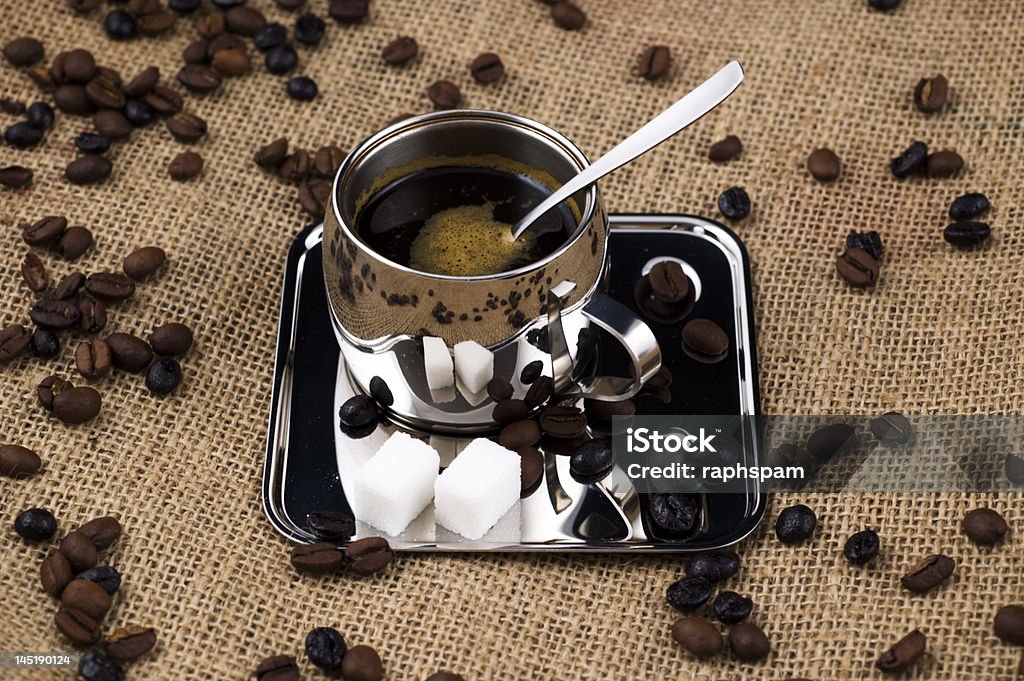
940,334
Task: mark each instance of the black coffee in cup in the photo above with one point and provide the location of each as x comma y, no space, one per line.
457,220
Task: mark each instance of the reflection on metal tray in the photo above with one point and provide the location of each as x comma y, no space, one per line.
309,461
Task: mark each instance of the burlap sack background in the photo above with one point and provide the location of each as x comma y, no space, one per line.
941,333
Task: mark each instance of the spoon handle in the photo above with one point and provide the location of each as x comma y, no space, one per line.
695,104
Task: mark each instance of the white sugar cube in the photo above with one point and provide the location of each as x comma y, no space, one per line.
437,362
396,484
480,486
474,365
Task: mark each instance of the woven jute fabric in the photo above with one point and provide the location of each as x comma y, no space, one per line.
941,333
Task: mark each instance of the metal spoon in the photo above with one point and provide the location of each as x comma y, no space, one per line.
698,102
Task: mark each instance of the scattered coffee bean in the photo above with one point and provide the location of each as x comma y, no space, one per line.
368,556
79,66
689,593
380,392
520,434
48,388
698,637
68,286
928,573
110,287
199,78
129,643
832,440
78,549
120,25
568,16
499,389
112,124
302,88
655,62
857,268
23,51
444,95
967,234
331,524
54,314
171,340
295,166
278,668
184,6
45,231
77,405
734,203
715,566
72,99
231,63
15,177
23,135
563,422
868,241
968,206
930,94
55,573
326,648
943,164
92,143
509,411
163,376
487,68
143,262
327,160
73,243
892,428
35,524
129,353
211,25
103,532
12,106
41,114
321,558
244,20
748,642
725,149
88,597
42,78
795,524
33,271
705,341
92,315
105,576
14,340
358,412
142,84
984,526
78,627
824,165
910,162
349,11
92,359
88,170
309,29
1009,624
45,344
281,59
884,5
185,166
164,100
730,607
531,372
400,51
104,93
186,127
362,663
531,470
669,283
674,513
270,36
272,155
904,654
540,391
592,461
862,547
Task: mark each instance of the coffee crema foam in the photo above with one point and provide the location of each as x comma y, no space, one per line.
466,241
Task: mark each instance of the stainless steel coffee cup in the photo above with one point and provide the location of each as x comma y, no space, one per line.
381,309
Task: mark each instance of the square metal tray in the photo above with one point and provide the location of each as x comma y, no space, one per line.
309,461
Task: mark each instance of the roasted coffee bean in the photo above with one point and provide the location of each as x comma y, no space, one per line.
655,62
592,461
105,576
327,160
509,411
92,315
295,166
163,376
49,388
14,340
669,283
92,143
910,162
78,66
78,548
103,531
943,164
186,127
231,63
563,422
400,51
730,607
95,666
331,524
104,93
499,389
278,668
41,78
674,513
144,261
868,241
904,654
857,268
748,642
362,663
45,344
689,593
272,155
41,114
55,573
725,149
92,359
164,100
531,372
540,391
568,16
11,106
705,341
734,203
184,6
968,206
15,177
884,5
1009,624
795,524
199,78
326,648
322,558
269,36
110,287
129,643
444,94
88,170
86,596
142,84
930,94
35,524
928,573
309,29
380,392
156,22
77,405
128,352
244,20
832,440
171,340
715,566
78,627
314,196
120,25
23,134
698,636
824,165
33,271
368,556
519,434
862,547
487,68
967,234
112,124
23,51
984,526
73,243
210,25
17,461
358,412
349,11
302,88
892,428
45,231
54,314
531,470
185,166
281,59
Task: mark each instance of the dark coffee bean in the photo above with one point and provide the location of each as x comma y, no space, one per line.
42,78
68,286
674,513
269,36
164,100
824,165
302,88
199,78
884,5
930,94
669,283
698,637
35,524
904,654
968,206
278,668
272,155
281,59
368,556
171,340
322,558
327,160
184,6
105,576
309,29
967,234
186,127
531,470
41,114
862,547
144,261
325,648
380,392
592,461
77,547
244,20
92,143
499,389
112,124
295,167
143,83
359,411
832,440
78,66
892,428
210,25
129,643
730,607
943,164
984,526
725,149
48,388
1009,624
349,11
17,461
795,524
163,376
928,573
103,531
78,627
92,359
655,62
231,63
185,166
55,573
155,23
45,344
120,25
15,177
331,524
23,51
509,411
705,341
868,241
104,93
23,134
14,340
910,162
660,381
54,314
314,196
748,642
519,434
714,567
77,405
11,106
73,243
568,16
92,315
689,593
400,50
45,231
95,666
444,94
540,391
86,596
33,271
563,422
857,268
487,68
88,170
110,287
531,372
734,203
362,663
